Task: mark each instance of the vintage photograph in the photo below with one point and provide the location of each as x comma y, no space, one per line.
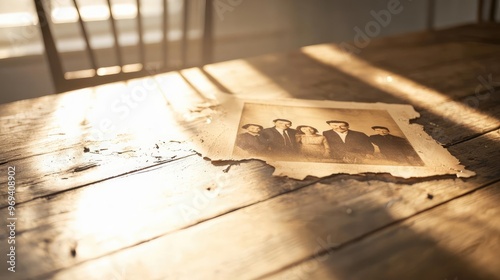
301,138
324,135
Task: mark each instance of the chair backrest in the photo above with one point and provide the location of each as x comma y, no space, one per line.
431,6
491,12
95,75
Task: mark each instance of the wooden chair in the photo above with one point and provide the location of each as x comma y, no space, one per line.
65,80
480,14
491,12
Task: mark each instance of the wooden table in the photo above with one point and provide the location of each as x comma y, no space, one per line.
106,190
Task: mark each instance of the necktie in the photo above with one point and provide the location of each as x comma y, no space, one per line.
288,142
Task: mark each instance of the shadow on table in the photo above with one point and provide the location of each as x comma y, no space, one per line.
445,97
365,239
366,243
386,251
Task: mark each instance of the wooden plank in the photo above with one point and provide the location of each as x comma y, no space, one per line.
285,75
80,247
436,54
86,137
111,215
75,117
138,133
469,76
38,126
456,240
381,81
50,182
483,33
71,168
298,75
48,167
258,239
463,105
468,117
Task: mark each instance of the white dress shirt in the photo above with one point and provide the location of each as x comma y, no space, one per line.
342,135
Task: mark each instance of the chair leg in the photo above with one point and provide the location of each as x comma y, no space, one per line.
207,46
53,58
431,7
480,4
493,10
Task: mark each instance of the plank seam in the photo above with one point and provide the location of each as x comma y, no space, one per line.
370,233
172,231
472,137
34,155
142,169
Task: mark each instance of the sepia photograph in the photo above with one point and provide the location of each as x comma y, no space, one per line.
301,138
331,135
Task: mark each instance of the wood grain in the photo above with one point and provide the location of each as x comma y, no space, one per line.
285,229
118,128
47,167
298,75
137,202
110,215
462,119
456,240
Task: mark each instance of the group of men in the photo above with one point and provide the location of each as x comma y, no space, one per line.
345,145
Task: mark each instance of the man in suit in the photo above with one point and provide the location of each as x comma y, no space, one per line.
394,148
249,141
347,145
280,139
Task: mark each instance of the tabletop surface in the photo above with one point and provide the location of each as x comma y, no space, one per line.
105,188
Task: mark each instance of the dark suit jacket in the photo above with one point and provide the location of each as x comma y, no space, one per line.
275,142
396,148
355,143
250,143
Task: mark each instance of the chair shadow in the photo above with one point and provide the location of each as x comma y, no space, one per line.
412,255
394,250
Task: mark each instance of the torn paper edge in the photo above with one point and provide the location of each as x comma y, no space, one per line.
216,135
